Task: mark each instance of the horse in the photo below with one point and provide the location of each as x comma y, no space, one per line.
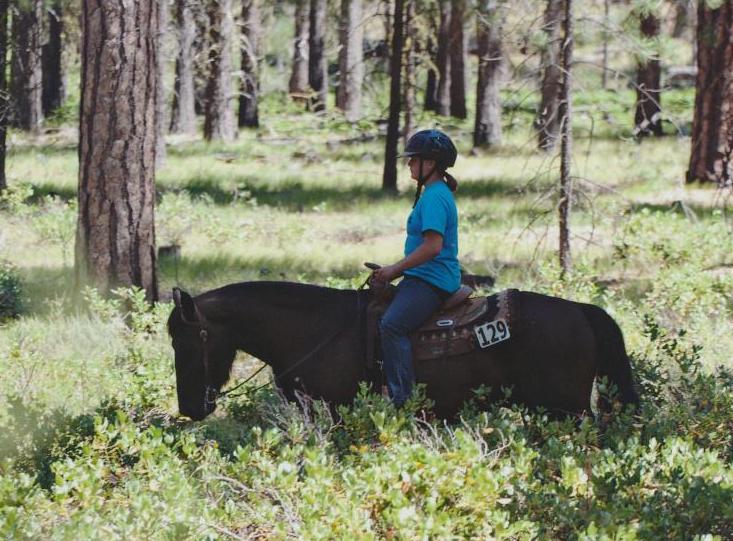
314,340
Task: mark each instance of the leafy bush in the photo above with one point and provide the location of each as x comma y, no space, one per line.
11,303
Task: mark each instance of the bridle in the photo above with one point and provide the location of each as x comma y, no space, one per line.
211,394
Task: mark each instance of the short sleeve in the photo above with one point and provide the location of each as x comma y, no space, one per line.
434,215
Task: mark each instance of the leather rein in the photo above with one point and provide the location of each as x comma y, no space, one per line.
211,394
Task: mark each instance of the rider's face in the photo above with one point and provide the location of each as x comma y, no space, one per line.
414,164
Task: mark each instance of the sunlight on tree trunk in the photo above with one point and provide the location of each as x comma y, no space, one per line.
317,64
115,244
183,115
711,157
351,59
298,83
548,118
219,116
487,128
443,59
566,140
250,59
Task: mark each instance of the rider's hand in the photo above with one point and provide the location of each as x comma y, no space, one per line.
386,274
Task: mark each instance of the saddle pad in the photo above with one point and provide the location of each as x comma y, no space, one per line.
452,332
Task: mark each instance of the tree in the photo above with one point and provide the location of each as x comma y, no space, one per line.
408,90
647,116
54,90
298,83
161,105
115,243
317,66
219,114
487,130
547,122
457,49
566,140
26,68
250,54
711,157
443,59
183,112
351,59
4,109
389,178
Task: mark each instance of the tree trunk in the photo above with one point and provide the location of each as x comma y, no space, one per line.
547,122
389,178
115,244
219,114
487,131
351,59
712,122
250,53
566,117
161,105
53,93
605,37
409,61
183,114
443,59
682,17
457,60
298,83
648,116
201,50
317,65
27,69
4,110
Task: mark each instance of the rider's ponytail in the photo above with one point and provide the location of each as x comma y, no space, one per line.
450,181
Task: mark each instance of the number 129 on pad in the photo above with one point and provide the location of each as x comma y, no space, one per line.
492,333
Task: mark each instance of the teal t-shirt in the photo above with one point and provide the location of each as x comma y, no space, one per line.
436,211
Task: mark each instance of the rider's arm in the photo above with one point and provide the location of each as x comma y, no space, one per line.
431,246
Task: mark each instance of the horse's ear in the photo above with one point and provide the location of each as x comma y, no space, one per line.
184,302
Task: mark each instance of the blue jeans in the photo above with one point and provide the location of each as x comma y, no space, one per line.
414,302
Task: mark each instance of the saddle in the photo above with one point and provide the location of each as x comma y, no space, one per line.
463,324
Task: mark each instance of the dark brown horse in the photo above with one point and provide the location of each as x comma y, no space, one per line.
313,338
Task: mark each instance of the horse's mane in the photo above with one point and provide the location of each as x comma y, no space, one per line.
281,294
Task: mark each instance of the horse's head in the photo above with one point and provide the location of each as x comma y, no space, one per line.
203,357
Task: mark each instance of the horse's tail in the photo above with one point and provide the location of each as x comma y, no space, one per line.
613,362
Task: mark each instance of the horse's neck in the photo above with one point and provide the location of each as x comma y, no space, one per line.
280,324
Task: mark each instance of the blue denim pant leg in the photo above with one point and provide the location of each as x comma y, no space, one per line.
414,302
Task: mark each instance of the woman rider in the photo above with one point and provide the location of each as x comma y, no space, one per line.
430,266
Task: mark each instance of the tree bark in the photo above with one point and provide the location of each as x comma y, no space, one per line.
457,60
317,66
389,178
443,59
183,113
298,83
4,108
54,90
605,36
487,131
219,114
115,243
27,69
409,61
250,54
648,113
161,105
351,59
711,158
566,117
548,119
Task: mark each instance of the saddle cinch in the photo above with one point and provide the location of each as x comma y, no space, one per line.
463,324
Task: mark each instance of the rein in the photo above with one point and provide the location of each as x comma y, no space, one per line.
211,394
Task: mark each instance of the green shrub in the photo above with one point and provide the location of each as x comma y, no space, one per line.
11,303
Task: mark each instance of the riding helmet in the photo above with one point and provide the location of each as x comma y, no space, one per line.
432,145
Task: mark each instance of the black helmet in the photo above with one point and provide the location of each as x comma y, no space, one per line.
432,145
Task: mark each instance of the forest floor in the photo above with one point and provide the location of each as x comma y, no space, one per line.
91,444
